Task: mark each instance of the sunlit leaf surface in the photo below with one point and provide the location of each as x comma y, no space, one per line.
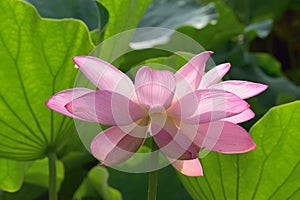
11,176
269,172
123,15
35,63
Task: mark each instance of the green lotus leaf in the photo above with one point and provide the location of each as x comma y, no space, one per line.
269,172
36,62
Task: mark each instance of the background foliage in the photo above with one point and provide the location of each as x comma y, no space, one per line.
261,39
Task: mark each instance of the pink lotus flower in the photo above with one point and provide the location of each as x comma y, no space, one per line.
184,112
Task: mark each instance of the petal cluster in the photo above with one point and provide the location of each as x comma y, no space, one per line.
184,112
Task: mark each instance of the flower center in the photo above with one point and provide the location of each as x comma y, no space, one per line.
158,117
157,110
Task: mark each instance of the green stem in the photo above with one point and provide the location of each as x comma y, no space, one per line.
52,176
153,175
